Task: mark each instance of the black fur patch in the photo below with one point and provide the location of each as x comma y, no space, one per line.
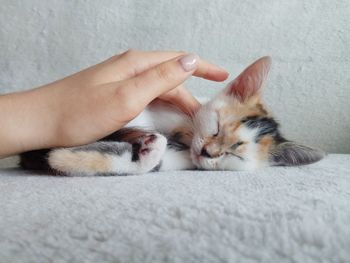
265,126
135,152
35,160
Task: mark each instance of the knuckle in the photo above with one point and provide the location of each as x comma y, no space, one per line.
122,95
126,54
175,93
164,73
127,102
178,92
123,55
115,58
131,54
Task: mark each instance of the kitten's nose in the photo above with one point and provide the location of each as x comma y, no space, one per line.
204,153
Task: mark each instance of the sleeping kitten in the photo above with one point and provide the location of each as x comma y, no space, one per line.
232,131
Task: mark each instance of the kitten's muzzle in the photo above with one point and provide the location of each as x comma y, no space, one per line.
205,153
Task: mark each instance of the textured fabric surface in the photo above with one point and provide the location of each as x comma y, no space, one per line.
309,42
274,215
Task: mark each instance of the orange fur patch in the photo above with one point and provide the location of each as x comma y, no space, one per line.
68,161
264,147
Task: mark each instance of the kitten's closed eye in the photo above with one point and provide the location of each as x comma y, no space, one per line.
236,145
218,130
233,148
216,134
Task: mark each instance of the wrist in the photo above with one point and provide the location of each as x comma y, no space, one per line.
28,121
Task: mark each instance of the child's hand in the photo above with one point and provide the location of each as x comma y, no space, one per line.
97,101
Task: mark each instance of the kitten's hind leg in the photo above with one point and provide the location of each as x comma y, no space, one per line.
148,152
106,157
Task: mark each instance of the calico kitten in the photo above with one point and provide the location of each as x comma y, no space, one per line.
232,131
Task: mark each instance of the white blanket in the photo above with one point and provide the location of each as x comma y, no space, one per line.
273,215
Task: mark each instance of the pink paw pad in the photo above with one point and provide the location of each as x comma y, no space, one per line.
146,142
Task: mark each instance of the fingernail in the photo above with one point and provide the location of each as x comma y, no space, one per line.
189,62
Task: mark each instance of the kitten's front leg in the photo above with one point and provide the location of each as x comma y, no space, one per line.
177,155
176,160
107,157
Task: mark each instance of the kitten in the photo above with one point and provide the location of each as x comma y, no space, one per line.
232,131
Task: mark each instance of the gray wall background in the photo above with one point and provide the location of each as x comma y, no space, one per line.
309,41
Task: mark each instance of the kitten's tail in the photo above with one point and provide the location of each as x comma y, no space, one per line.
70,162
35,160
66,162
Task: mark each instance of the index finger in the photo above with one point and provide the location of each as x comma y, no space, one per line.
205,69
133,62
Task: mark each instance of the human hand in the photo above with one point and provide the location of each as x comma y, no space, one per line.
132,63
95,102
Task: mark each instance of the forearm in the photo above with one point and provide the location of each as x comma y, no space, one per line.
28,120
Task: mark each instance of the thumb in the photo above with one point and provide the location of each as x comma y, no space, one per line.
160,79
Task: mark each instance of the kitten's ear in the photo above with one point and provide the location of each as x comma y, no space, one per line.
250,81
293,154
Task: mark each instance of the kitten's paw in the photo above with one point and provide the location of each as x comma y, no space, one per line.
148,151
